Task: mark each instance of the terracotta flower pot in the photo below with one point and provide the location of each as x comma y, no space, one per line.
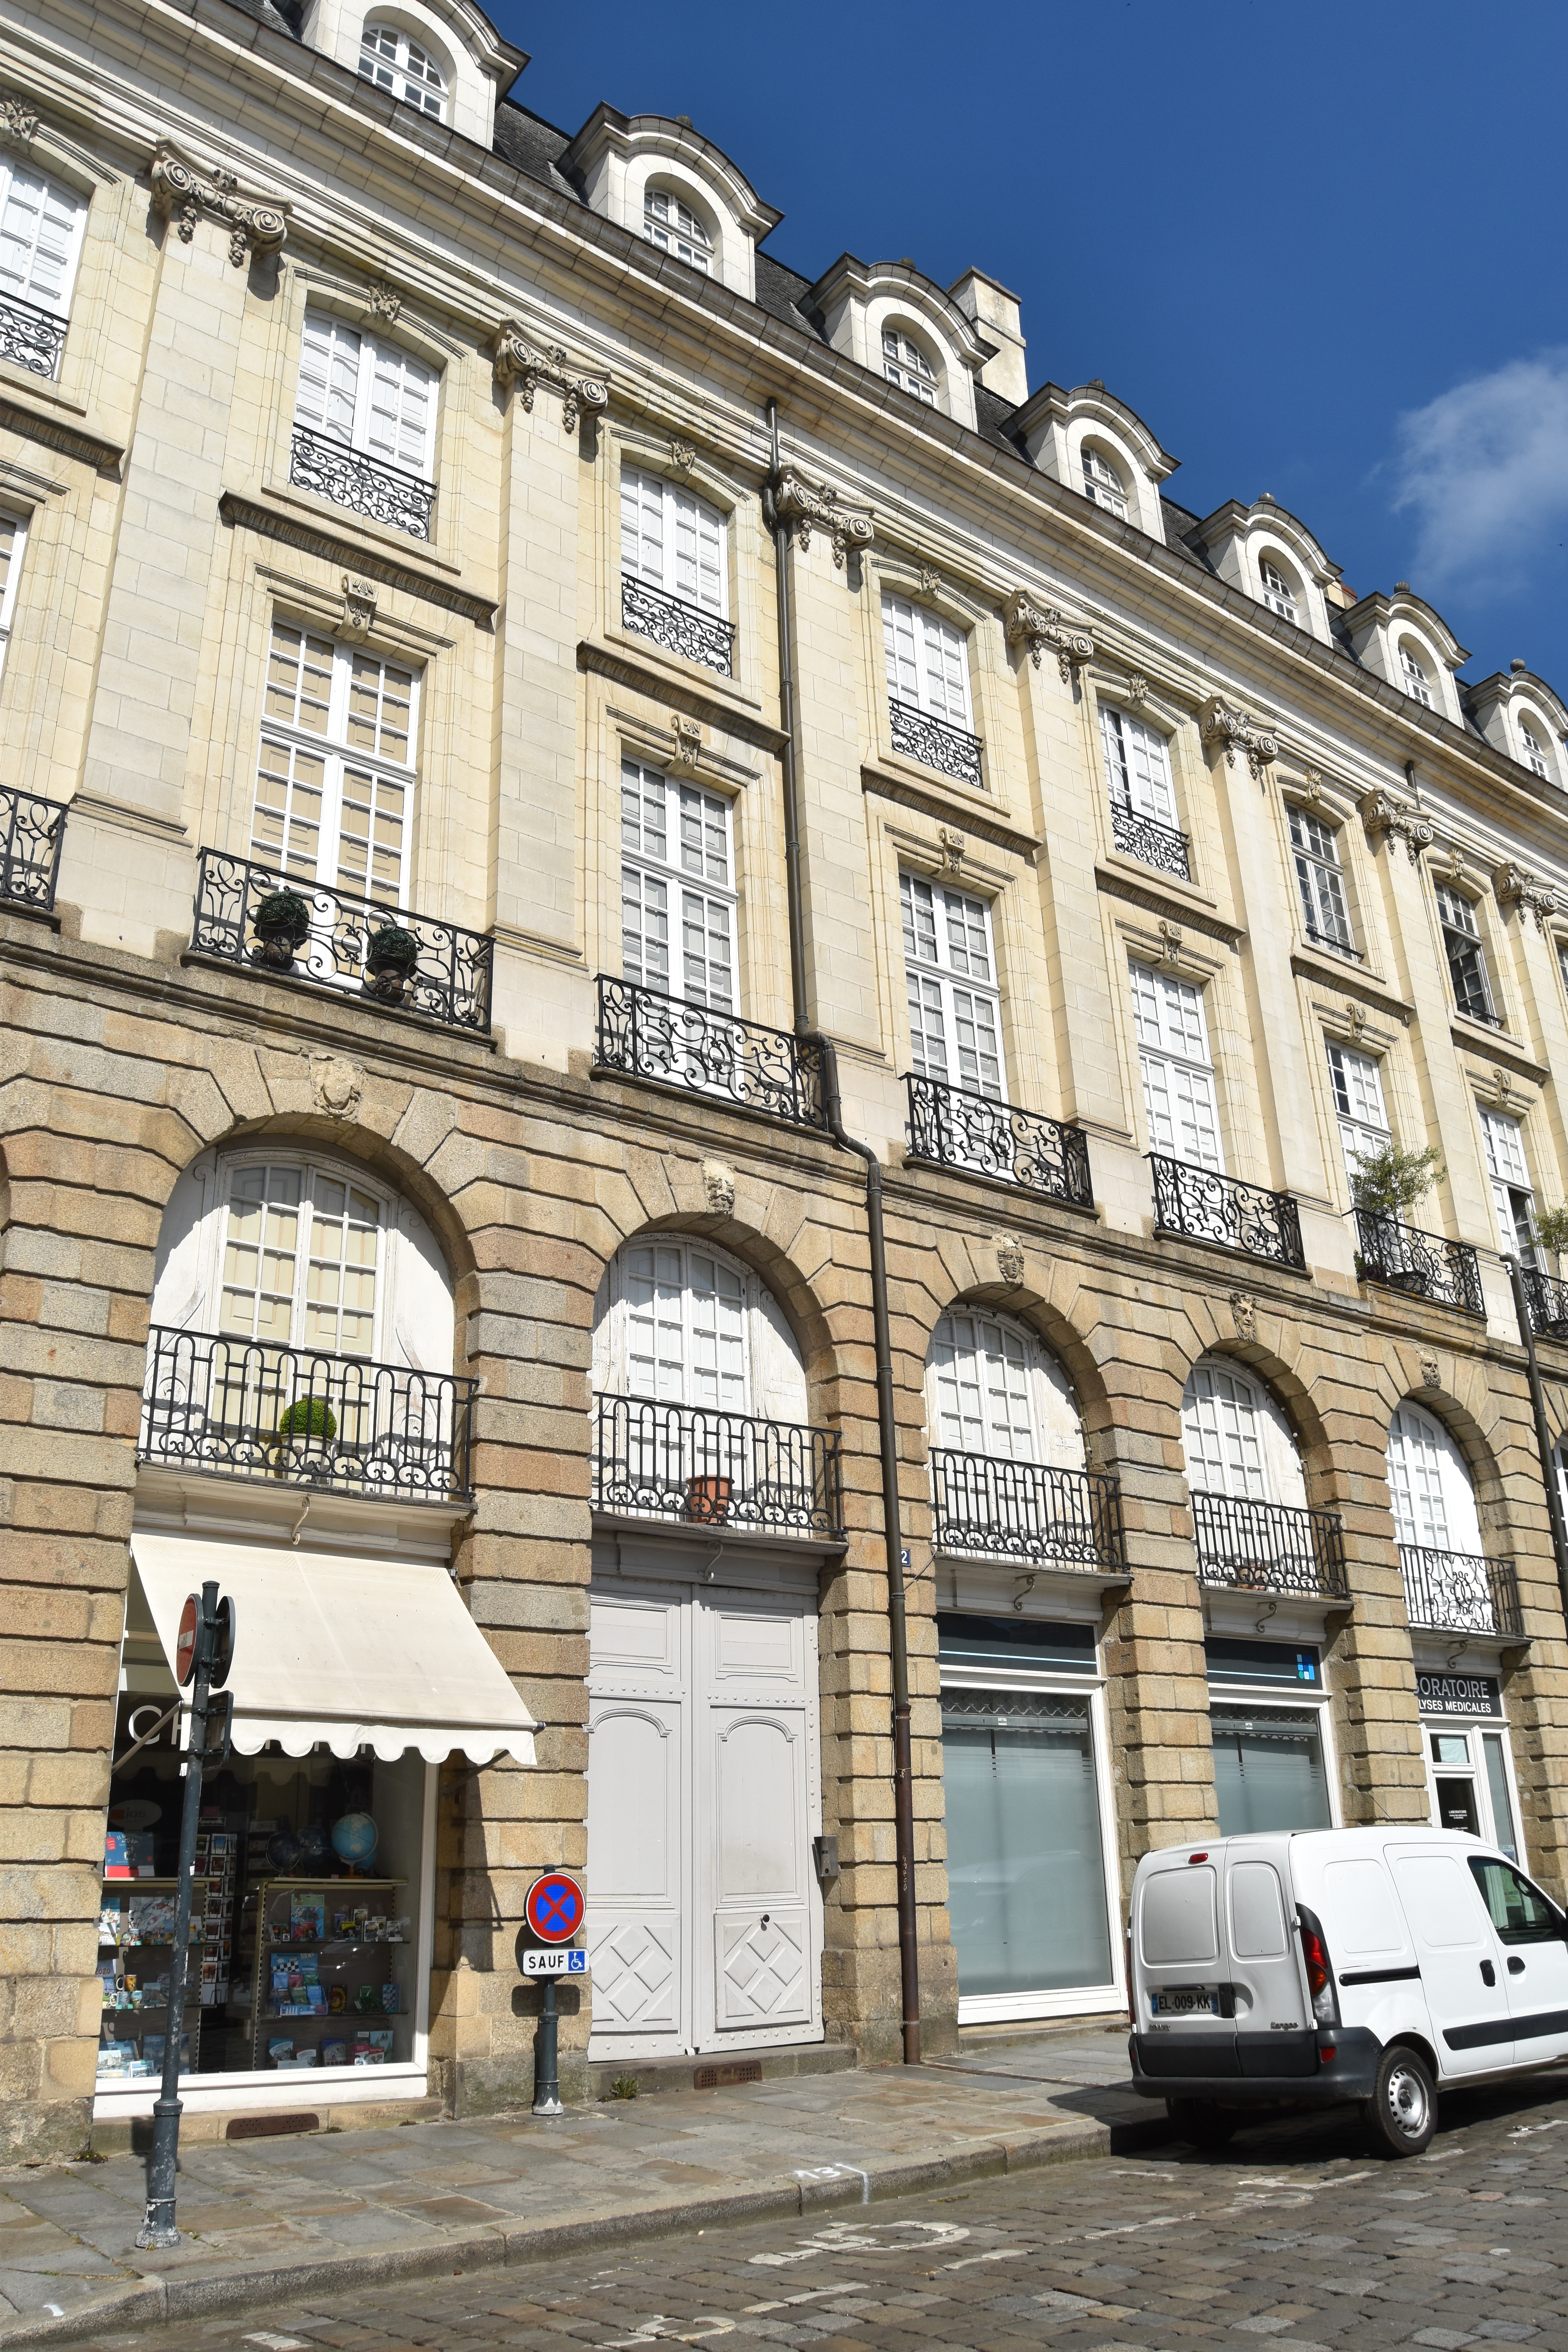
707,1500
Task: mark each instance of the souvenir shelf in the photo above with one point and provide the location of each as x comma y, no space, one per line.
332,1982
135,1941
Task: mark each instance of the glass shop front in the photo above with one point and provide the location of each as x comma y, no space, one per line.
1030,1867
1268,1717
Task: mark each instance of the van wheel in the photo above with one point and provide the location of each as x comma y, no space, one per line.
1402,2112
1203,2125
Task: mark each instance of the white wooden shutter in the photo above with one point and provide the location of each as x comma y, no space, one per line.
400,412
1137,766
328,376
715,1305
652,1290
1415,1481
1221,1435
1178,1084
699,552
40,233
642,525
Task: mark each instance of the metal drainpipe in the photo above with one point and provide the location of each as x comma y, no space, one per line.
1542,1431
892,1521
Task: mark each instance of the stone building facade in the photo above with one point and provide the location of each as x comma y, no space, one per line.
528,721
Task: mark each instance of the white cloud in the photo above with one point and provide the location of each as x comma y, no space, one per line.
1484,468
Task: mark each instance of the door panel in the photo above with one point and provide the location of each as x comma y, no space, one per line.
704,1916
1455,1943
1273,2022
635,1868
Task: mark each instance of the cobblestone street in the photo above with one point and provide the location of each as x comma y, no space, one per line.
1293,2234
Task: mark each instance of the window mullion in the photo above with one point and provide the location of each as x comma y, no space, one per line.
364,384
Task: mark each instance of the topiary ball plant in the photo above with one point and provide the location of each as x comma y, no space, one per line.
283,911
392,949
308,1416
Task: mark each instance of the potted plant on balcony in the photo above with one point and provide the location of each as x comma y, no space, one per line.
707,1500
390,961
1552,1233
306,1427
281,921
1389,1185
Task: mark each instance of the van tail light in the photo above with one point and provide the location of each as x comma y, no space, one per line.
1321,1990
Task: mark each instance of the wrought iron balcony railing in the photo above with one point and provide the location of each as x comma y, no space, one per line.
646,1034
366,486
1021,1510
1208,1207
1270,1547
32,834
935,743
408,962
956,1128
1546,1303
1423,1266
31,338
679,627
244,1409
711,1469
1459,1593
1150,843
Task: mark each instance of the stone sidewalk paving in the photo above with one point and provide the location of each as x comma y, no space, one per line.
268,2220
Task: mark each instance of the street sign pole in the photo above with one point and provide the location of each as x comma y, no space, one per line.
554,1910
205,1654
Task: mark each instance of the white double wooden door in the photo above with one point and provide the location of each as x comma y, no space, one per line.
704,1795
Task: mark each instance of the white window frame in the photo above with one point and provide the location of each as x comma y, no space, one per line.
1534,752
992,2009
422,86
308,1171
1412,674
693,817
18,525
1356,1081
677,229
687,559
772,1382
1233,1429
1508,1173
1278,593
1138,767
1177,1070
1457,918
338,755
905,364
1102,482
949,973
26,289
367,353
927,659
1321,882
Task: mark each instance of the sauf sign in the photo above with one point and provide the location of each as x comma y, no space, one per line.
554,1910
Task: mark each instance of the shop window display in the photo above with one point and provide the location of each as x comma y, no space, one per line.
305,1920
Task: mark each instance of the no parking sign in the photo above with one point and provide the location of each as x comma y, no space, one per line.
554,1908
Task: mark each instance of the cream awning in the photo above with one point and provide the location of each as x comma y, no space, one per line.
343,1651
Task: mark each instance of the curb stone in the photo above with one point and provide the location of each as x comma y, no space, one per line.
163,2300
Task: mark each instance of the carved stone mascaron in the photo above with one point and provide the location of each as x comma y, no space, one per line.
181,194
1039,626
518,362
805,505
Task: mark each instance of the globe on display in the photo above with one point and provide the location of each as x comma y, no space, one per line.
313,1844
354,1839
283,1851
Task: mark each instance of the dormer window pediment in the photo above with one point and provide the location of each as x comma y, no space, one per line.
443,60
657,178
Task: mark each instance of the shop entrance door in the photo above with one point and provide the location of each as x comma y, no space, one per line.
704,1794
1471,1782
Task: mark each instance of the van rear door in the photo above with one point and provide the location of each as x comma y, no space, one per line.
1463,1971
1275,2033
1186,2022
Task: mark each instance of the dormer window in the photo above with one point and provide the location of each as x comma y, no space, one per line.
1278,593
1535,751
675,228
1413,676
1103,484
905,364
392,61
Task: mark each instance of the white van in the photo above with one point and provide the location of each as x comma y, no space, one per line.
1324,1965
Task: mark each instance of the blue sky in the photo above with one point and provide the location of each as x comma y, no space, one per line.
1321,251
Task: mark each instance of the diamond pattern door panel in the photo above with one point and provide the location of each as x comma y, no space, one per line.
763,1967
